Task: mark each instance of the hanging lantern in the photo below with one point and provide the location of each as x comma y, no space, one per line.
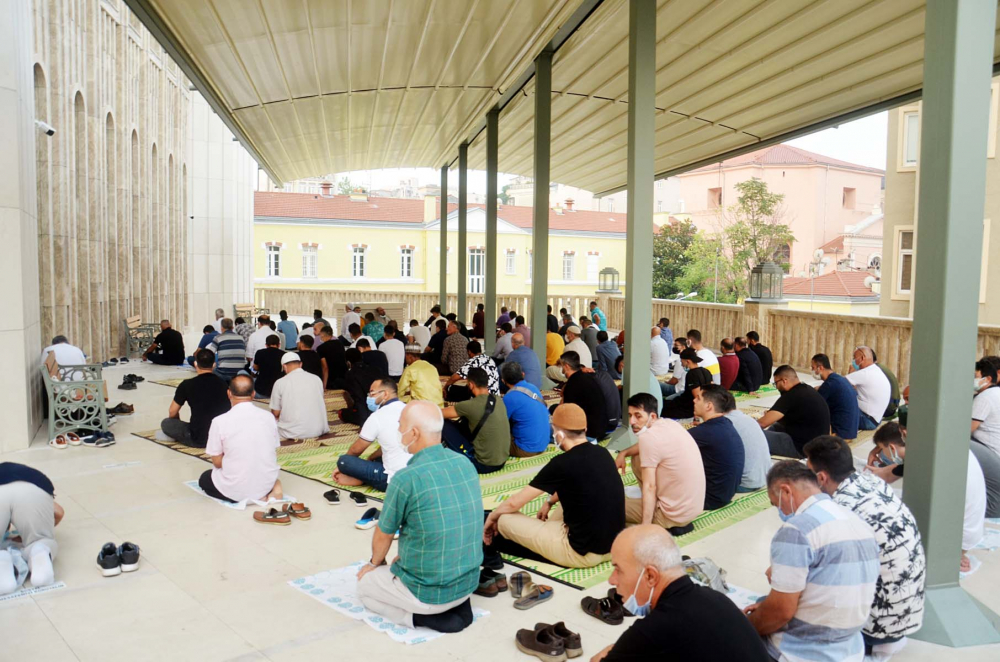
608,281
766,281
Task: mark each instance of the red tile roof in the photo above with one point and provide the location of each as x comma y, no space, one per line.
834,245
396,210
781,154
835,284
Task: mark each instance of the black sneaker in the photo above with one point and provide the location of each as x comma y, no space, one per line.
332,497
128,386
108,560
128,553
360,500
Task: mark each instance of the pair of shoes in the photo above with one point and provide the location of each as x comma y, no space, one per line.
360,500
60,441
528,593
491,584
123,359
99,439
608,610
368,520
134,378
332,497
283,516
123,409
552,643
116,560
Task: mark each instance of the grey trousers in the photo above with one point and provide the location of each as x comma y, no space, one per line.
383,593
31,510
990,462
177,430
780,442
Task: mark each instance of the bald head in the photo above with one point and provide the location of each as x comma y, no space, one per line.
646,560
516,340
654,332
420,425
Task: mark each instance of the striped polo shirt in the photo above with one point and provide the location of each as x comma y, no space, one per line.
230,353
829,555
710,362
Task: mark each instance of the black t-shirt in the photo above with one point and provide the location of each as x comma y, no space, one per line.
766,362
806,414
690,623
172,344
377,360
357,383
310,362
435,345
12,472
751,374
336,363
552,324
590,494
582,389
723,455
207,395
268,362
612,398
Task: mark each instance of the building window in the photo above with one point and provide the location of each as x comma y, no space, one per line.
911,138
358,264
904,282
593,267
511,265
309,260
659,205
567,271
714,198
406,262
850,198
274,261
477,260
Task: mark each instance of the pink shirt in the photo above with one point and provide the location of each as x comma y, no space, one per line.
680,474
247,437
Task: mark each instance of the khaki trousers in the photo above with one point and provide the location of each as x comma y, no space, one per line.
516,451
383,593
633,507
554,373
549,539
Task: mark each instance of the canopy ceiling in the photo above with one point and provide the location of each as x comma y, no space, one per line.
320,86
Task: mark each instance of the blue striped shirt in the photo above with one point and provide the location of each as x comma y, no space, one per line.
230,353
829,555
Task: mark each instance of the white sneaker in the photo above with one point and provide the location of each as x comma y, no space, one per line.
40,565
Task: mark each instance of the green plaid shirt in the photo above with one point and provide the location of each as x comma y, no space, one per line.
436,504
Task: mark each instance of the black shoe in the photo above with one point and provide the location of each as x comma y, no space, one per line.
128,553
123,359
360,500
127,385
108,560
332,497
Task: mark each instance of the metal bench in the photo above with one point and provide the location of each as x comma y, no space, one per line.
138,334
77,395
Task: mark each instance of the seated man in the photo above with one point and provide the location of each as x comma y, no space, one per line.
242,444
27,501
695,377
420,379
479,322
763,354
394,350
799,416
484,434
681,620
373,328
455,350
750,376
208,335
435,503
243,329
523,329
267,367
476,359
167,347
729,364
332,360
419,334
504,346
526,412
840,398
575,344
756,455
65,353
355,333
526,358
311,361
230,351
382,427
287,327
206,394
667,466
554,348
584,482
607,355
373,357
709,361
898,608
297,402
659,353
588,333
720,445
258,339
985,443
582,389
873,387
357,385
894,393
673,387
824,564
435,344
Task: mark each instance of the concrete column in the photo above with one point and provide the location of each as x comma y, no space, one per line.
540,229
20,327
639,232
443,230
463,230
958,54
490,298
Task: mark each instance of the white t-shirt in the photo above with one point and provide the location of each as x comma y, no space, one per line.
371,343
680,374
421,335
217,325
395,354
986,410
580,347
258,340
659,356
874,390
710,362
246,436
299,397
975,504
347,320
383,426
66,354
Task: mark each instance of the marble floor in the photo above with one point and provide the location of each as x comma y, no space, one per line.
213,584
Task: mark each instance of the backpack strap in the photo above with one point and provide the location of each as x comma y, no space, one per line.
491,403
528,392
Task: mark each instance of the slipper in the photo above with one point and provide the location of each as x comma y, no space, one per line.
368,520
518,582
272,516
533,594
360,500
297,510
603,609
73,439
59,442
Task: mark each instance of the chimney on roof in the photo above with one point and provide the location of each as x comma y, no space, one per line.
431,208
569,204
326,189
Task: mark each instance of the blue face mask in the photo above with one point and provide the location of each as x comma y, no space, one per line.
686,369
784,516
372,405
633,605
854,364
890,459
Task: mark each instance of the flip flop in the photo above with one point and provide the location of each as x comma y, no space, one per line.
297,510
518,582
59,442
73,439
272,516
533,594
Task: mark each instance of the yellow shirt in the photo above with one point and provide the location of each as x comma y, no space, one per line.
554,346
420,381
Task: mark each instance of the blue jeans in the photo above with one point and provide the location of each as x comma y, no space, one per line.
453,439
866,422
667,389
371,472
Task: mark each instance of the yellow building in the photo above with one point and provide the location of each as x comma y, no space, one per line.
315,241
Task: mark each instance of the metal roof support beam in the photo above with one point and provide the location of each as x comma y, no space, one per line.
639,232
957,57
463,228
492,161
540,230
443,232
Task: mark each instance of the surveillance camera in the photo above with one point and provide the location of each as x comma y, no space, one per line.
46,128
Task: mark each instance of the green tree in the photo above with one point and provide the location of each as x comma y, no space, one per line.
503,197
345,187
705,253
670,258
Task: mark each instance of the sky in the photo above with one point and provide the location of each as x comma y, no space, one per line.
862,142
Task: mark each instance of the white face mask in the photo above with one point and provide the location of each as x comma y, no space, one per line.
406,447
817,375
978,384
